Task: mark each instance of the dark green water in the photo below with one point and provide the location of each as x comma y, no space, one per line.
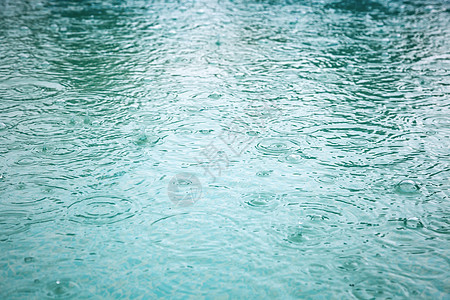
225,149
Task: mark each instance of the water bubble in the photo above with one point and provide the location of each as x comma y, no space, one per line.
294,157
184,189
407,187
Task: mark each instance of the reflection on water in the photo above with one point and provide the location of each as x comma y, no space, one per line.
275,149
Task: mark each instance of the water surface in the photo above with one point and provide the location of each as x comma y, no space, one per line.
234,149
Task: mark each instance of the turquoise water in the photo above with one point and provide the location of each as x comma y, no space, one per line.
224,149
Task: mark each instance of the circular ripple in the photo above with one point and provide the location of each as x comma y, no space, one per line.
101,210
195,232
184,189
419,270
58,151
438,145
154,118
438,224
44,127
276,147
438,121
294,235
36,91
61,289
290,127
310,225
311,231
261,200
12,222
29,197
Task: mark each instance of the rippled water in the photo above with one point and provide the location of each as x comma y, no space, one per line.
252,149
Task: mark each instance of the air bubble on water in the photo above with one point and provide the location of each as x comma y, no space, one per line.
407,187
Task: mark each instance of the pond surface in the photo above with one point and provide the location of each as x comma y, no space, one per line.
226,149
